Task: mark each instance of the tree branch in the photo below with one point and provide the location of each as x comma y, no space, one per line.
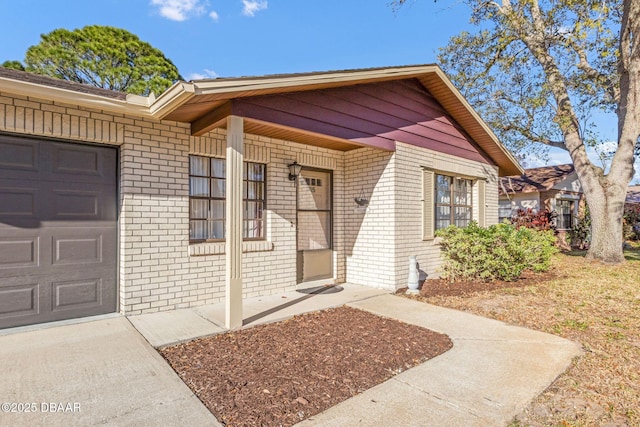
584,65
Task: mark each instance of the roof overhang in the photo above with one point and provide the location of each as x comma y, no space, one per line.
204,103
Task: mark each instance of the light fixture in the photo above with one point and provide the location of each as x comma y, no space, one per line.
294,170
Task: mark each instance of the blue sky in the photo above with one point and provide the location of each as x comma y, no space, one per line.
232,38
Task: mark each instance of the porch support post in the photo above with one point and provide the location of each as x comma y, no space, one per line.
233,222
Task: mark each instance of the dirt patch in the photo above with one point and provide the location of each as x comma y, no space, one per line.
282,373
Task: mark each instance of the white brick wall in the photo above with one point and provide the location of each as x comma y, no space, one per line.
159,270
410,162
369,235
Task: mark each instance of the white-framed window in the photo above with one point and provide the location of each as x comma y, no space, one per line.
505,210
207,199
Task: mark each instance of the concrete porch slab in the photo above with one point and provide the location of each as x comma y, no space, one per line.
170,327
288,304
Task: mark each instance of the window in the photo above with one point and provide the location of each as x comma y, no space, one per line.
453,201
505,211
564,208
207,199
449,200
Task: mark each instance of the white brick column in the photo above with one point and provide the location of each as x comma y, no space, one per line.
233,223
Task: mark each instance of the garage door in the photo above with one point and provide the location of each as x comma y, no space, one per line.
58,211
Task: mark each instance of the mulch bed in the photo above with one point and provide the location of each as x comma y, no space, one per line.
282,373
448,288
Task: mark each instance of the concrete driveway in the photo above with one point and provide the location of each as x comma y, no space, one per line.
99,372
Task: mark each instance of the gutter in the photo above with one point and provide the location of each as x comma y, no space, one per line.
171,99
132,105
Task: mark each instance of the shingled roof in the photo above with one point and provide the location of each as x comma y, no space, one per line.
535,179
59,83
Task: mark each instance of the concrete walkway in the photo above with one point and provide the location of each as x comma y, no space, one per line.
492,372
115,377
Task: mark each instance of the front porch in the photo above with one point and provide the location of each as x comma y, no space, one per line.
176,326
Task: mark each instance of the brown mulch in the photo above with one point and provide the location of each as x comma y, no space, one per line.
448,288
282,373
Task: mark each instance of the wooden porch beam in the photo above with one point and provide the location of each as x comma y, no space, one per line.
213,119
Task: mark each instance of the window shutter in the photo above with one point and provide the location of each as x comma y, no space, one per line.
482,204
427,204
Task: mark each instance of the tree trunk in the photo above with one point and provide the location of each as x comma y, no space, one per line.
606,210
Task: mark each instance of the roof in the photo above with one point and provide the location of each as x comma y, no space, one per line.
633,194
201,102
59,83
536,179
34,85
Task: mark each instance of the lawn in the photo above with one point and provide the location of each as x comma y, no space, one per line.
596,305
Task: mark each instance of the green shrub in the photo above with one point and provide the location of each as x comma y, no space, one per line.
500,251
631,223
580,234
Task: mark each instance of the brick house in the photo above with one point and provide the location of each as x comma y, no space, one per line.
228,188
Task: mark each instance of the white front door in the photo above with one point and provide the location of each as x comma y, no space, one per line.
314,225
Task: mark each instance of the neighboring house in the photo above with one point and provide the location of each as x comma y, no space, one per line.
633,195
112,202
554,188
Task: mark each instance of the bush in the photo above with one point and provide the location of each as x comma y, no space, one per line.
499,252
580,234
631,223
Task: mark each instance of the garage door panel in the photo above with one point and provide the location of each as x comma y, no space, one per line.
83,202
18,202
81,164
75,205
58,231
85,249
19,252
86,291
77,294
19,299
18,156
76,160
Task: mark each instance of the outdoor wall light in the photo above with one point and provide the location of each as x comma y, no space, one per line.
294,170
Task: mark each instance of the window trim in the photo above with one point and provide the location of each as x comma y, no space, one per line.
245,199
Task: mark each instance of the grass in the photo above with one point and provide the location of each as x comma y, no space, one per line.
594,304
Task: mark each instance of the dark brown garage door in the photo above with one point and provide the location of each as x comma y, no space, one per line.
58,210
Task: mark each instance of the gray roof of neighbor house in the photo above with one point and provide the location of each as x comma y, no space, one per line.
535,179
203,103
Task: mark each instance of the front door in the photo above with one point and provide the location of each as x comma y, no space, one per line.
315,223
